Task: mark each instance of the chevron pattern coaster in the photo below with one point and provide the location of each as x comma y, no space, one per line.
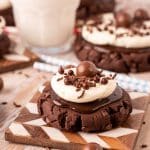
29,128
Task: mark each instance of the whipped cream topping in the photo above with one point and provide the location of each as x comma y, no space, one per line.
69,92
106,33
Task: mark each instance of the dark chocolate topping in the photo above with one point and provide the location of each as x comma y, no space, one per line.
87,107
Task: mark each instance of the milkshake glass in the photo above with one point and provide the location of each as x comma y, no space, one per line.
46,25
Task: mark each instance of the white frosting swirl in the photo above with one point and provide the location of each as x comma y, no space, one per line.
105,37
69,93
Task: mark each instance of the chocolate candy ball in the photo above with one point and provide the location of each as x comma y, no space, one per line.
141,14
122,19
92,146
1,84
87,69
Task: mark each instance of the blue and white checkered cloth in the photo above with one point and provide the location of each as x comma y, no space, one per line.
125,81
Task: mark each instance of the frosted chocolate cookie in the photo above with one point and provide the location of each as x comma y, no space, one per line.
116,42
83,98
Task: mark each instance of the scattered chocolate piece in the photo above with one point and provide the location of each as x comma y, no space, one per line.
16,105
1,84
122,19
143,146
26,75
61,70
92,146
87,69
3,103
19,72
22,73
141,14
144,122
82,94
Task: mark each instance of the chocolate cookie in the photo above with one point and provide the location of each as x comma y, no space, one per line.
89,117
4,44
112,58
91,7
8,15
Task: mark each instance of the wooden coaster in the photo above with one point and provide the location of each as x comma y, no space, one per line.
9,65
29,128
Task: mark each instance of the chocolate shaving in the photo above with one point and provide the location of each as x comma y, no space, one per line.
114,76
59,79
82,94
16,105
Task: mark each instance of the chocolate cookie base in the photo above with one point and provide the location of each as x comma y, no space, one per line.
92,7
116,59
105,118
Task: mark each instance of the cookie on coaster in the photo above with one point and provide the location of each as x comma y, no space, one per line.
84,98
116,41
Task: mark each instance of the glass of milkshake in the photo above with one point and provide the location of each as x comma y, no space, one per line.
46,25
